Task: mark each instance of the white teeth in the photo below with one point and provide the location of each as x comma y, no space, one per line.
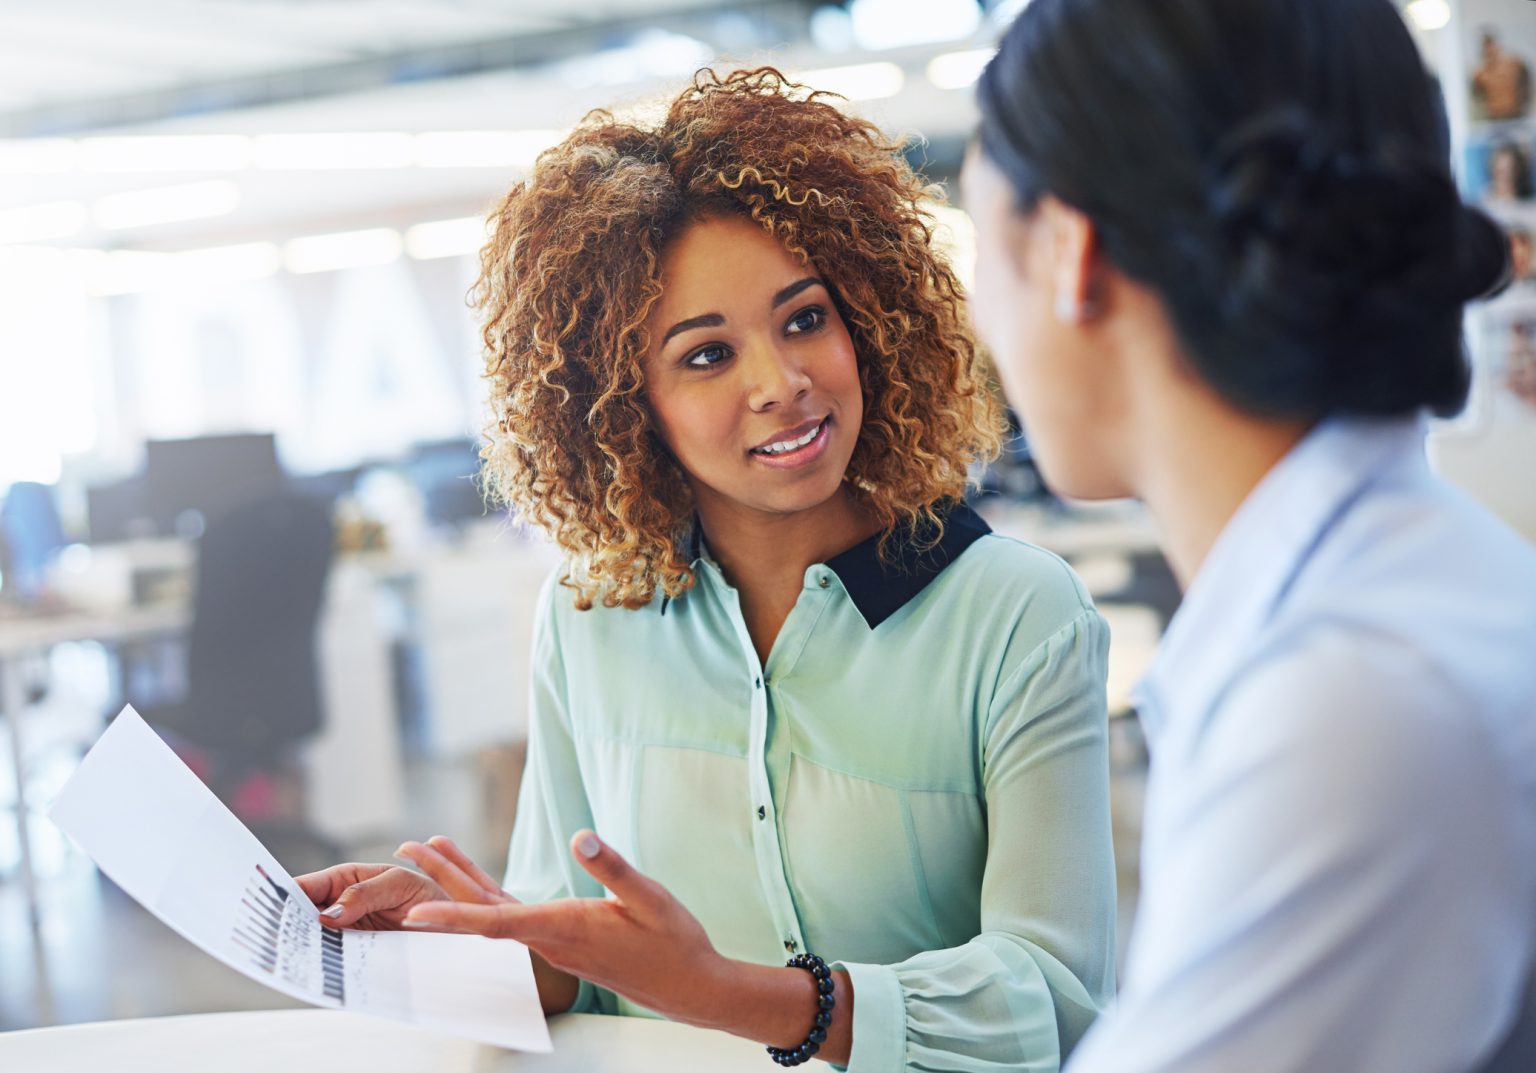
786,446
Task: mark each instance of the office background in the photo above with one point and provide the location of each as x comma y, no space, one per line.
239,401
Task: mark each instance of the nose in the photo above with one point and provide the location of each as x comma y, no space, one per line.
776,376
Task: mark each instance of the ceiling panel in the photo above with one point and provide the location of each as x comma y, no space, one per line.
98,55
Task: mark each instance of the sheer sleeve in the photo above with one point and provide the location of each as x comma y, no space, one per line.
1020,994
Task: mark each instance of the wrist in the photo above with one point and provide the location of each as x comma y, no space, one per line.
719,991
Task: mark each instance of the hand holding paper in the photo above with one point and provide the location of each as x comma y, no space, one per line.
162,836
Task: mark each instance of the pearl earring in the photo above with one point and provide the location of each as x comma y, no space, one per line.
1068,310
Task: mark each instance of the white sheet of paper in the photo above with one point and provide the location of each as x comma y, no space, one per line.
160,834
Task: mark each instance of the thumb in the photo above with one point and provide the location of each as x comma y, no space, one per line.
604,864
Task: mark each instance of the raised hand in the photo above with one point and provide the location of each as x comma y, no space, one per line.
641,943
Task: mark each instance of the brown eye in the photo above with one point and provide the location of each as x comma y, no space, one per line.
706,356
807,320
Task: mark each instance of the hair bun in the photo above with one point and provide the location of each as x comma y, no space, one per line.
1342,253
1305,218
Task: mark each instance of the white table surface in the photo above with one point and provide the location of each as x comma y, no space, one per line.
323,1041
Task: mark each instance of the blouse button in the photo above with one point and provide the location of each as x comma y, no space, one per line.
762,812
824,581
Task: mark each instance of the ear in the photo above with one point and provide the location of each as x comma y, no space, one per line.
1073,249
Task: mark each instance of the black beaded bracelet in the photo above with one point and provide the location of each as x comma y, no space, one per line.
794,1056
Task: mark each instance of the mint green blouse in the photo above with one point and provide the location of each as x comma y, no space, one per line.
914,787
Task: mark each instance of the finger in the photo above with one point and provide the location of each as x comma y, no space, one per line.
549,922
605,864
459,885
388,890
322,887
450,849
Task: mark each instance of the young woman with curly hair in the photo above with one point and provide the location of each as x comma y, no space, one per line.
785,672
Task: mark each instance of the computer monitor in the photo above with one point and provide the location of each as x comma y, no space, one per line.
117,510
445,472
208,474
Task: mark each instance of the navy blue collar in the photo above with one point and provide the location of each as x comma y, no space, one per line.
881,587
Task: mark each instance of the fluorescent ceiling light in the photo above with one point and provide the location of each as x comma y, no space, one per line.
859,82
299,152
37,156
881,24
107,274
957,70
483,148
41,223
1429,14
649,54
167,204
346,249
213,152
231,264
446,238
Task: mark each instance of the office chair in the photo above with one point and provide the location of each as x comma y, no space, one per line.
253,686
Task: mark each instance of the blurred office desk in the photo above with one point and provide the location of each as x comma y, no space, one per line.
1076,530
24,636
322,1041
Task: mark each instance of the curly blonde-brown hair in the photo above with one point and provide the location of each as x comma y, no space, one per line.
573,269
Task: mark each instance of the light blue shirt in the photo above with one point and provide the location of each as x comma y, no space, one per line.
914,786
1339,863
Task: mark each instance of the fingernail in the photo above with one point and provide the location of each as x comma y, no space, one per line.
335,910
409,923
588,845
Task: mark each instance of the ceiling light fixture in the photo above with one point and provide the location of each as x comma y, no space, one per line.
857,82
959,70
344,249
167,204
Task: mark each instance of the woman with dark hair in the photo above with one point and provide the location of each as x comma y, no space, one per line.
785,672
1509,172
1222,266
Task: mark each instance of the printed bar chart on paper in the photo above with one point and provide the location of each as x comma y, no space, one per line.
162,836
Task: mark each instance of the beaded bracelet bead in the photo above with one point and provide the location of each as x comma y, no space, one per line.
794,1056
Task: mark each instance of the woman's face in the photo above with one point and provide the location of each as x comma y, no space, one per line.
1522,255
1055,381
750,373
1503,166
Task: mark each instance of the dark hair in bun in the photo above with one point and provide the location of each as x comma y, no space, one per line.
1277,170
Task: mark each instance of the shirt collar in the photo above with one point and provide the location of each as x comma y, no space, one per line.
1259,554
879,587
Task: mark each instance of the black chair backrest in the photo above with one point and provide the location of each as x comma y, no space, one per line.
253,683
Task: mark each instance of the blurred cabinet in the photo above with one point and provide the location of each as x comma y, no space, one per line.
355,783
474,610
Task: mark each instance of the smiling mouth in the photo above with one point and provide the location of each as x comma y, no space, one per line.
784,447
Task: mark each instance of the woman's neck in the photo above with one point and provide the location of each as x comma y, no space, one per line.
1204,458
752,545
765,556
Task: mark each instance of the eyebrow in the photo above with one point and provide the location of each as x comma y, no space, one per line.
708,320
793,289
714,320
